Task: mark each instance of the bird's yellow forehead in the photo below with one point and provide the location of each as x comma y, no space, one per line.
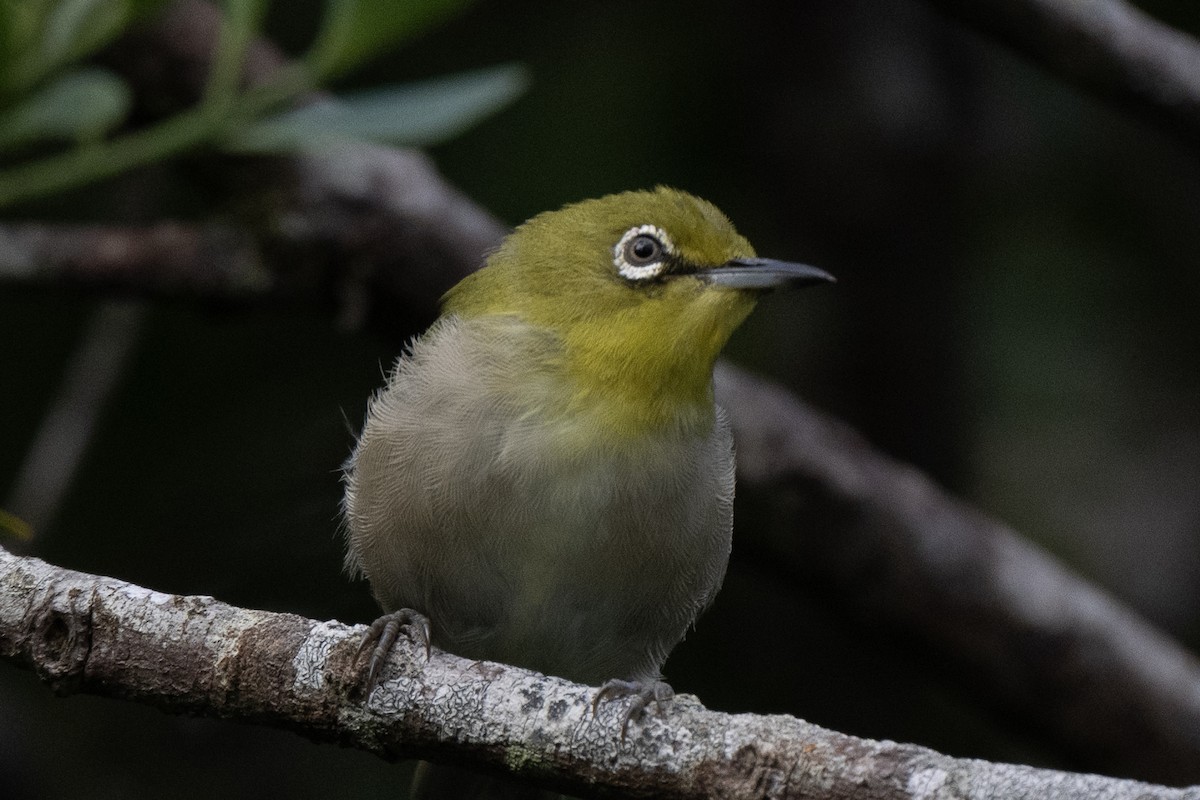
565,265
699,233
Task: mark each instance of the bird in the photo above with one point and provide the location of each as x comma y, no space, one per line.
545,480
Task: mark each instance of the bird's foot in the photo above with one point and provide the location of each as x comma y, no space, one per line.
382,635
643,693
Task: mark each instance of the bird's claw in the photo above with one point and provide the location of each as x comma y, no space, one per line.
382,634
643,693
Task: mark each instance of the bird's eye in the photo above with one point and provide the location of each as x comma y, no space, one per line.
643,250
642,253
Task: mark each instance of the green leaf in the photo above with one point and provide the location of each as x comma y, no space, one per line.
79,106
13,527
39,37
355,30
20,21
76,27
413,114
239,25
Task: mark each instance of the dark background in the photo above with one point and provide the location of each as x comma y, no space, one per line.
1016,315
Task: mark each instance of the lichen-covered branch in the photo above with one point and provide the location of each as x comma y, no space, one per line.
1108,47
84,633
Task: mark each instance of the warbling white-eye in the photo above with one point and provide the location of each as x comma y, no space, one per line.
546,476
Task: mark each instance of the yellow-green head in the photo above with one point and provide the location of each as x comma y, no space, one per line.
643,289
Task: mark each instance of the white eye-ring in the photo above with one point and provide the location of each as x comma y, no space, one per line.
642,253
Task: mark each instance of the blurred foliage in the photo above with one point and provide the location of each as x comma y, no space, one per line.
81,105
12,526
357,30
45,93
47,98
42,38
434,110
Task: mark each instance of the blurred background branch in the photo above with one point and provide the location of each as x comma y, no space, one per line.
1095,673
1108,47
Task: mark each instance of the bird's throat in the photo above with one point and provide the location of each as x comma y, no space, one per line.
644,380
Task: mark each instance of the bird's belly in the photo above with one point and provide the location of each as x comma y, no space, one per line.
534,539
597,572
588,570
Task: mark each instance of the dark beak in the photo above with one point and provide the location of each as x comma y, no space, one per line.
764,274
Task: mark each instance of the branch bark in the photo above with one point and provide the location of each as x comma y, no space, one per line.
1108,47
84,633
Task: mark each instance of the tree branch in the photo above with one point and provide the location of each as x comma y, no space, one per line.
206,261
84,633
1107,47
